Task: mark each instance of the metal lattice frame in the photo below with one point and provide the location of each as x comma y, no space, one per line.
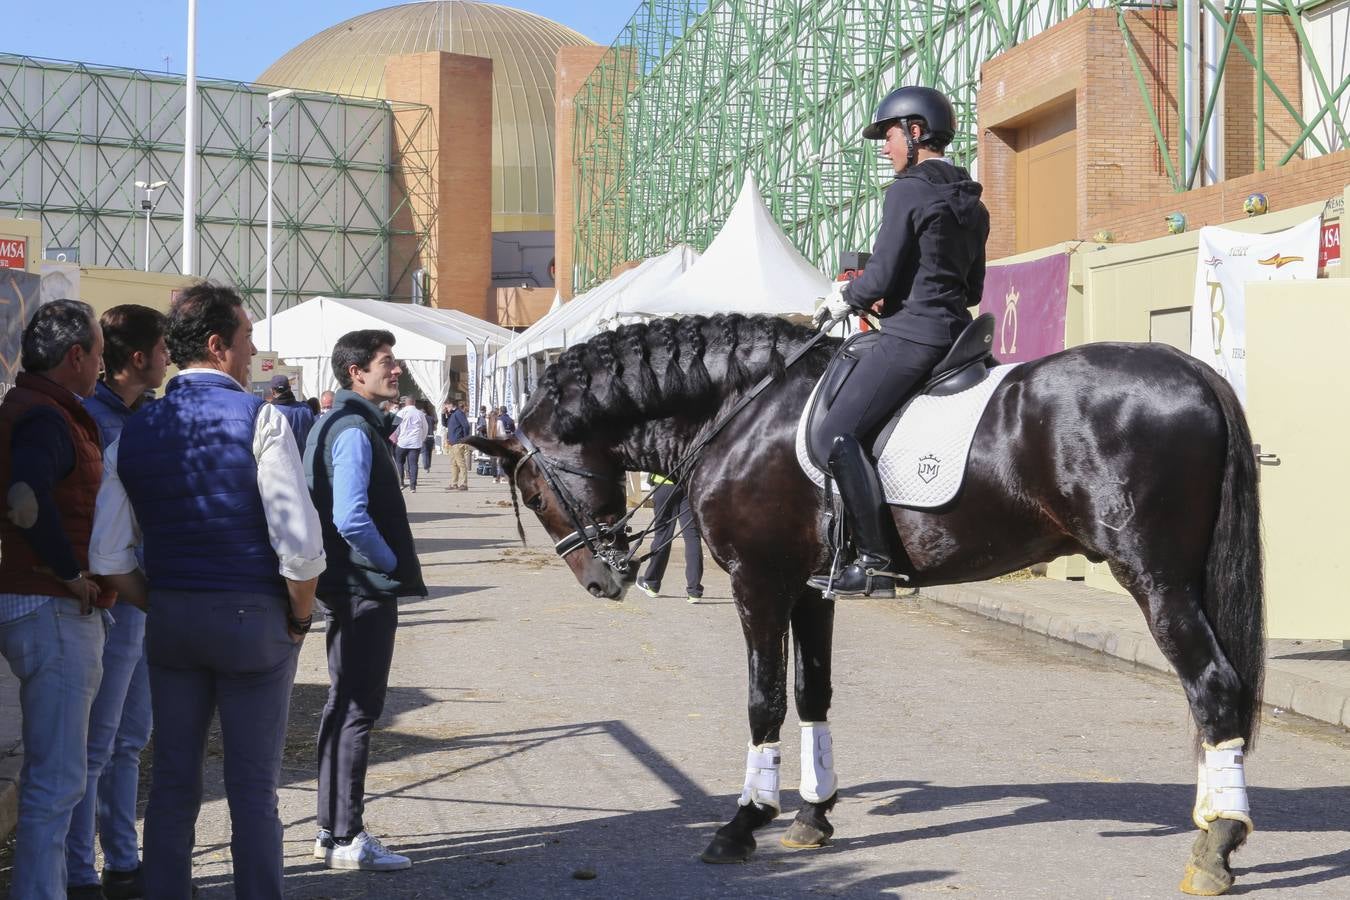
74,139
694,94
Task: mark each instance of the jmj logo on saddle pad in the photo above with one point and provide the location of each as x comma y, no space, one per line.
924,460
928,467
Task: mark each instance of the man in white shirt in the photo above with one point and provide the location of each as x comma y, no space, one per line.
233,548
412,434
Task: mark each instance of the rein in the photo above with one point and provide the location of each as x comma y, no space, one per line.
614,544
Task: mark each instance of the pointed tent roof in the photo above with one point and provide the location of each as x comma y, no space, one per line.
750,267
577,320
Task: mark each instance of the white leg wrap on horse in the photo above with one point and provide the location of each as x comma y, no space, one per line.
761,776
818,778
1221,786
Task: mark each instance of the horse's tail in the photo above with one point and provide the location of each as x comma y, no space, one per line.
1234,584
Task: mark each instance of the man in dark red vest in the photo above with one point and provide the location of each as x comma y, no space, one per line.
51,635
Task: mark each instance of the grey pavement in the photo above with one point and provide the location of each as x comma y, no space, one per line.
1311,678
541,743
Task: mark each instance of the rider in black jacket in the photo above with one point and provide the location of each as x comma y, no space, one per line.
927,267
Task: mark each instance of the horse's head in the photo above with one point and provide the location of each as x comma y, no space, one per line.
578,493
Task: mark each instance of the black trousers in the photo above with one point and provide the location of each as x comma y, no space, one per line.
669,499
882,379
427,447
406,457
360,643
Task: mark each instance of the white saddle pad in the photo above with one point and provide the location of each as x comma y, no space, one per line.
924,460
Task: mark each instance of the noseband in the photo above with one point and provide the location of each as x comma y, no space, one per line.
602,540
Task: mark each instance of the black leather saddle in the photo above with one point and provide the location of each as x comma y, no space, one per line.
966,364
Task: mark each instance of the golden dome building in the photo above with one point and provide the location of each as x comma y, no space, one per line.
422,53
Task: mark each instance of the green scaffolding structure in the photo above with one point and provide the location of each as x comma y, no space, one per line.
352,178
695,94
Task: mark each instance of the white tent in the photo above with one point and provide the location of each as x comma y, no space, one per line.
750,268
573,322
425,338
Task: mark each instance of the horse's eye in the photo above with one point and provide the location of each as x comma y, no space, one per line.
536,503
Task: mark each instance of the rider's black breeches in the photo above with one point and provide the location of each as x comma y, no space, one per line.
883,377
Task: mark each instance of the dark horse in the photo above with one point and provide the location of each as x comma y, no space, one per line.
1131,453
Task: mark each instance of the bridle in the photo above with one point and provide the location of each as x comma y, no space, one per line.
608,543
615,544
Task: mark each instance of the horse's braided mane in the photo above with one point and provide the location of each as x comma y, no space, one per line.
655,369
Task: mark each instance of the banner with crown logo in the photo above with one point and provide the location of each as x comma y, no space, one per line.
1028,301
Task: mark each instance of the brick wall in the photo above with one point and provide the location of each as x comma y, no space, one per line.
458,89
1301,181
575,64
1119,165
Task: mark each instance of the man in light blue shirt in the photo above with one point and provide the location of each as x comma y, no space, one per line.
372,561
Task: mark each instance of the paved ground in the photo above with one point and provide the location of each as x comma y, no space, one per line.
541,743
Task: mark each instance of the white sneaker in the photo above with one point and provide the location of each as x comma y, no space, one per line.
323,844
367,854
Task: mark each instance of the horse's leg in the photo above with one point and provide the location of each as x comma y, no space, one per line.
766,627
1214,690
812,632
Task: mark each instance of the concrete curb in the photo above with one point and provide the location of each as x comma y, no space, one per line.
1099,627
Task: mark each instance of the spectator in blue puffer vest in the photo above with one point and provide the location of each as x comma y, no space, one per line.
233,550
296,411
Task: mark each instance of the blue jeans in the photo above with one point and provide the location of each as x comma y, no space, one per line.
57,655
119,728
215,651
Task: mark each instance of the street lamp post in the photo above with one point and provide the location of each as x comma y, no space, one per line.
190,149
148,204
272,98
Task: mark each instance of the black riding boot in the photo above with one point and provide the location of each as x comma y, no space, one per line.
869,518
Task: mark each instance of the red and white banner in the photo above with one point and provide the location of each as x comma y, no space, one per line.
13,253
1329,251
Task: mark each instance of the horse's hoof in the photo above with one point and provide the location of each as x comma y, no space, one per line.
803,836
728,850
1208,873
810,829
1205,881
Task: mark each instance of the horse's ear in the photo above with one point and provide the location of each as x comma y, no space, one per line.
508,450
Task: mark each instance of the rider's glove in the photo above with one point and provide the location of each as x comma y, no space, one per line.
833,306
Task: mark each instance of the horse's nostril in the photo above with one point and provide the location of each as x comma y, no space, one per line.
595,590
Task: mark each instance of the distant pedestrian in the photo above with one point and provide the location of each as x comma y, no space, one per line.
461,454
314,407
671,506
50,467
372,561
325,402
408,439
233,549
299,415
429,443
135,358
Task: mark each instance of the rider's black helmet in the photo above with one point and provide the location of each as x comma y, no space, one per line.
915,103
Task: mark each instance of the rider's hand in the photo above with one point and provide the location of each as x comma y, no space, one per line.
833,306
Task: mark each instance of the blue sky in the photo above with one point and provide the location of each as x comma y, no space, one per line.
236,39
